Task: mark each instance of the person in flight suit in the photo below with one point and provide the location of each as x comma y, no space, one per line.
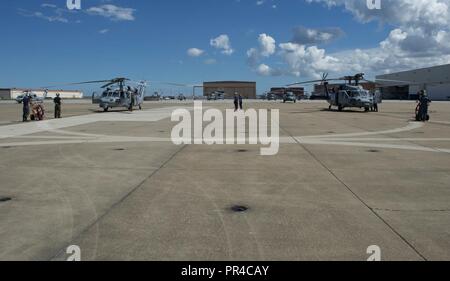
423,106
57,102
26,107
240,102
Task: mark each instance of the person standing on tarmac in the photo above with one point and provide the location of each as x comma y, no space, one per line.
240,102
57,101
424,103
26,108
236,102
375,102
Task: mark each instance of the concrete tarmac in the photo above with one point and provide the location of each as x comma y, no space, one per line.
117,187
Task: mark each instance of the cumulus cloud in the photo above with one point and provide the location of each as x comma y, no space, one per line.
267,45
195,52
50,13
303,35
266,48
112,12
420,37
421,24
306,61
265,70
222,43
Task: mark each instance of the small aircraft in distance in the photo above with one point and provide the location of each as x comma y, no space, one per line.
34,97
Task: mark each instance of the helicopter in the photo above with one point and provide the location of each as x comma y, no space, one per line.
349,94
33,96
121,96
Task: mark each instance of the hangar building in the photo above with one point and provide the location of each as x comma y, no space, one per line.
436,80
12,93
229,88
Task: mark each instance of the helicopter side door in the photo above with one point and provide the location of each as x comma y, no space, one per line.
343,98
332,98
96,98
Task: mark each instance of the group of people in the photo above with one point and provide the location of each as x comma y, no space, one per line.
35,110
238,102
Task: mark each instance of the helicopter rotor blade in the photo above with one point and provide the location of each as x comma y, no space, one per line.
315,81
305,82
78,83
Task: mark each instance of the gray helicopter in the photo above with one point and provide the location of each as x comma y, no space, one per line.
347,95
118,95
33,96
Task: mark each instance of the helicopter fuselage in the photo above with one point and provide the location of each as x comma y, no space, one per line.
347,96
125,98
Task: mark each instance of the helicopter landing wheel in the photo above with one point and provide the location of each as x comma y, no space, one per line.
340,108
140,107
366,109
329,108
105,109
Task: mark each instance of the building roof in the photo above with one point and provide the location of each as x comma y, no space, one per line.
432,68
36,90
230,82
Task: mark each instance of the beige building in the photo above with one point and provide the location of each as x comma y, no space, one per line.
229,88
12,93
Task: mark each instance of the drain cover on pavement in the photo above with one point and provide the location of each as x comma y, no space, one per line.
4,199
239,209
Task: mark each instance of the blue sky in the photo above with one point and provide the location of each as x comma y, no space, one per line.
149,39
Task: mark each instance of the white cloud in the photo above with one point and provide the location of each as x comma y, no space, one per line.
303,35
223,43
47,5
113,12
306,61
265,70
420,37
195,52
51,13
267,45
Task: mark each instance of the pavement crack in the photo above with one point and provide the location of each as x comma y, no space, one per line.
399,210
126,196
357,196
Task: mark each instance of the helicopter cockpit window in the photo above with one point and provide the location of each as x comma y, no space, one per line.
353,94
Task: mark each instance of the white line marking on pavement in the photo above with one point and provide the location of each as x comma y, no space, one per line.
30,128
411,126
24,131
